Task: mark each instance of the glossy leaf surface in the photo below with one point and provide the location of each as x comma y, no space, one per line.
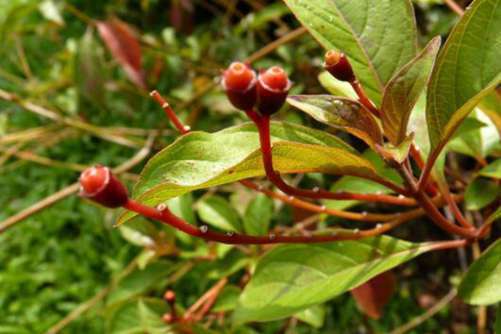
480,286
341,113
403,91
379,37
466,70
291,278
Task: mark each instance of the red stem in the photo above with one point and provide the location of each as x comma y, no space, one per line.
167,217
169,112
432,210
363,98
263,125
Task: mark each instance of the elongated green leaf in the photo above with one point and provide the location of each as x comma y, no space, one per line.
480,286
480,193
218,212
258,215
403,91
291,278
341,113
492,170
491,106
139,316
200,160
466,70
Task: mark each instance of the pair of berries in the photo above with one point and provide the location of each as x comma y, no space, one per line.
268,90
245,89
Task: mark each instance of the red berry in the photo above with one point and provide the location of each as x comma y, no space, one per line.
275,78
94,179
338,66
239,82
272,88
100,185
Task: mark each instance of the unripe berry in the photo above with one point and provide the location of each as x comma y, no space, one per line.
338,66
100,185
272,88
239,82
170,296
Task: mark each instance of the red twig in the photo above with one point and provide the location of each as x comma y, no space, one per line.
263,125
169,112
363,98
164,215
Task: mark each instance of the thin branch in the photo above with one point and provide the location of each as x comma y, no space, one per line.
44,112
263,124
71,189
454,7
428,314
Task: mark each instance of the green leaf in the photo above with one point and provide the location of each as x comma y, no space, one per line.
403,91
341,113
218,212
379,37
466,70
480,286
291,278
313,316
335,86
397,153
227,299
141,281
258,215
201,160
363,186
138,317
491,106
492,170
480,193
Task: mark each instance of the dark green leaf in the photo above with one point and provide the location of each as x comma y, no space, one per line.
492,170
480,193
341,113
141,281
403,90
291,278
379,37
466,70
218,212
258,215
480,286
138,317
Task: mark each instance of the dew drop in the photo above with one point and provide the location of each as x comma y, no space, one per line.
364,213
323,208
204,228
378,226
272,236
161,207
316,189
356,231
230,234
260,187
401,196
187,128
291,198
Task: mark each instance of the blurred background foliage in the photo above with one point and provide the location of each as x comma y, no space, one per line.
57,55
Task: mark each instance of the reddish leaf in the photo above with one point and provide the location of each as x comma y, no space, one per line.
124,46
373,295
